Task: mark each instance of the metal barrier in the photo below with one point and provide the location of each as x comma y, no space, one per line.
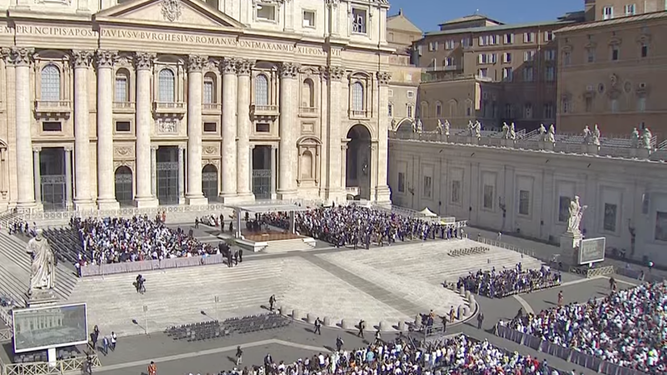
6,335
504,245
7,318
42,368
567,354
601,271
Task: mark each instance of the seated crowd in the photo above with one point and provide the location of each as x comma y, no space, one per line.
494,284
628,328
454,356
363,226
116,240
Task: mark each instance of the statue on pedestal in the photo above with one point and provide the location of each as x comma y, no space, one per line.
596,135
506,131
477,128
576,212
44,261
440,129
646,138
420,126
447,126
588,136
512,134
551,134
543,133
634,138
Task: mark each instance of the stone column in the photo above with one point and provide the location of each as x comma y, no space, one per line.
343,164
274,167
243,130
288,152
68,177
143,64
229,103
382,194
38,174
82,199
181,175
22,58
154,171
106,196
194,195
251,157
336,187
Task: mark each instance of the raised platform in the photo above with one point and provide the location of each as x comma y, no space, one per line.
268,240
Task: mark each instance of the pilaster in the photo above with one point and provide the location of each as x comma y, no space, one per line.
68,177
194,194
38,174
81,61
106,197
336,182
143,63
244,124
382,193
22,59
288,152
228,152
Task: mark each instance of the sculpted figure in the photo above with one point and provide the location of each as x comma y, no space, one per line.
646,138
506,130
43,268
596,135
634,138
439,128
414,126
543,133
420,126
512,135
471,128
447,126
587,136
551,135
576,212
478,129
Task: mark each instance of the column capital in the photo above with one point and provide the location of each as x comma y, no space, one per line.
245,66
383,78
81,58
196,63
334,73
22,56
36,149
105,59
228,66
68,148
289,70
181,147
154,148
143,60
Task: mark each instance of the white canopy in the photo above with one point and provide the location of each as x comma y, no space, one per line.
427,213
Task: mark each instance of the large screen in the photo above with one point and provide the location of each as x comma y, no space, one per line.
591,250
48,327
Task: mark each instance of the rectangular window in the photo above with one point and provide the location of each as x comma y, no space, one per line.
359,21
493,40
507,74
590,55
456,191
528,74
409,110
661,226
123,126
609,221
208,92
563,209
509,111
641,104
483,40
614,105
607,13
529,37
428,186
524,202
615,53
528,111
210,127
567,58
401,182
507,57
548,36
390,110
266,12
487,198
550,74
548,110
528,56
52,126
483,73
262,127
309,18
449,61
565,105
438,110
644,48
550,55
629,9
509,38
482,58
465,42
121,90
588,103
450,44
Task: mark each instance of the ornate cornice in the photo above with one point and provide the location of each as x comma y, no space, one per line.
82,58
615,41
196,63
335,73
105,59
289,70
384,78
244,66
22,56
644,38
6,54
143,60
228,66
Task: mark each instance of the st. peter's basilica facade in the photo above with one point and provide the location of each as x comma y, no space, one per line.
183,102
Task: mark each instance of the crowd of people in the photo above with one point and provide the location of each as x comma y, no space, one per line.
454,356
499,284
628,328
20,226
362,226
115,240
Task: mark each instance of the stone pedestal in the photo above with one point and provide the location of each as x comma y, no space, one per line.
547,146
590,149
569,246
41,298
472,140
508,143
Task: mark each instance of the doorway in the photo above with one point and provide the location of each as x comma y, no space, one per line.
209,181
123,185
262,172
167,175
357,172
52,172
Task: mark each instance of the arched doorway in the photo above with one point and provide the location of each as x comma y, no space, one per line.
52,163
209,181
358,160
123,183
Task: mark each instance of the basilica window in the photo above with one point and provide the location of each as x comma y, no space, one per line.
209,90
266,12
122,87
50,83
357,96
308,94
261,90
359,18
166,86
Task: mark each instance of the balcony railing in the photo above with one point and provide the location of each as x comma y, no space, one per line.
308,111
53,106
123,106
211,107
169,108
264,110
358,114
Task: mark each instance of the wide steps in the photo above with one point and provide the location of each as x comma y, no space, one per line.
285,246
15,266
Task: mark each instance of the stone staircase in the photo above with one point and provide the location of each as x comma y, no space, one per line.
284,246
15,271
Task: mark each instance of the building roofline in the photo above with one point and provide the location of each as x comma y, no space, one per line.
482,29
614,21
472,17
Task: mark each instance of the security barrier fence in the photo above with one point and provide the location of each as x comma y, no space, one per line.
564,353
61,367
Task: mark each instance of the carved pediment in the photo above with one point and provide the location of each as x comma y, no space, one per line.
183,12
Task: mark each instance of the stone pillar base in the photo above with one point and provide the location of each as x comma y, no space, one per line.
26,207
569,247
104,204
84,205
226,199
472,140
643,153
196,201
246,197
547,146
148,202
335,195
287,195
41,298
383,195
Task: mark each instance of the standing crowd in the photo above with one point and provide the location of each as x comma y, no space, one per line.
628,328
495,284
